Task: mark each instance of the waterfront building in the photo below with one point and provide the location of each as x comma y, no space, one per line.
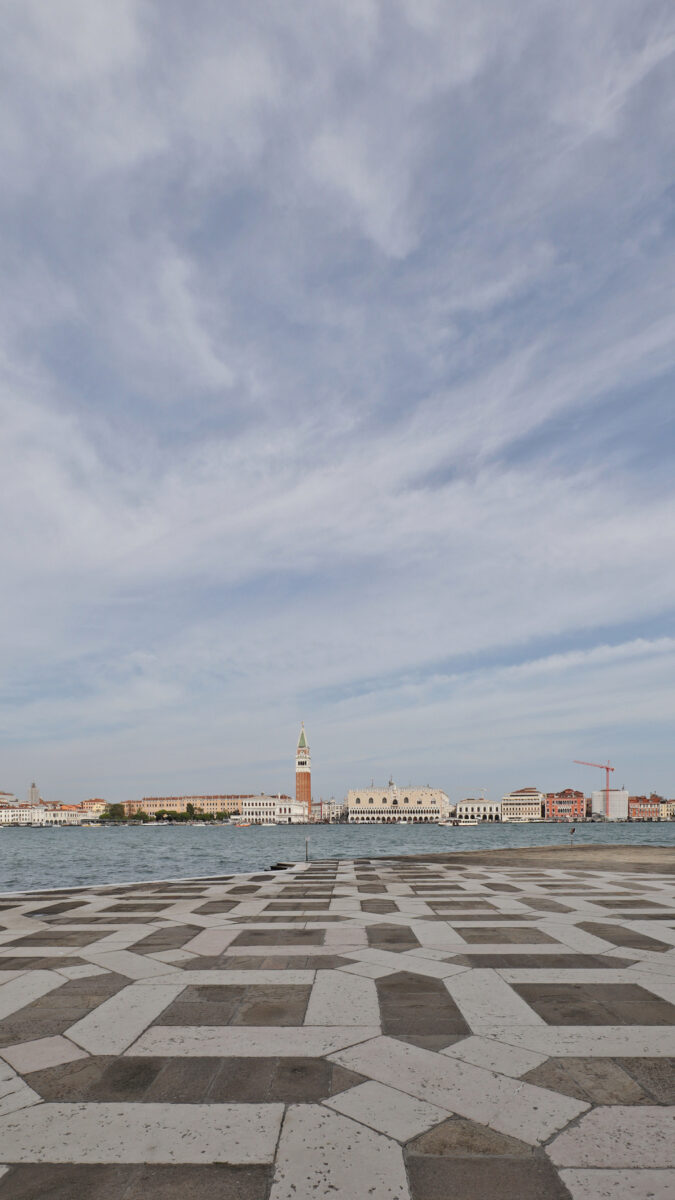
618,804
568,805
205,804
526,804
42,814
392,804
273,810
94,807
303,772
328,810
645,808
469,811
668,810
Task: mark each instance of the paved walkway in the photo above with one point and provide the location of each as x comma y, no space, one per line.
468,1027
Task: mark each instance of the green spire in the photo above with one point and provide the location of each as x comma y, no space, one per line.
302,740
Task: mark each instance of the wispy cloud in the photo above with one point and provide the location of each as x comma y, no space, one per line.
325,344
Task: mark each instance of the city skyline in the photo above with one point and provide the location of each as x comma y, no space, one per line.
336,365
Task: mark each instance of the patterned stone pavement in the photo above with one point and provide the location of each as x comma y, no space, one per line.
468,1027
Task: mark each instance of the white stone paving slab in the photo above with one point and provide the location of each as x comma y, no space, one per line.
124,962
341,999
495,1056
249,1041
15,1094
619,1136
19,992
233,978
387,1110
593,1041
116,1023
399,962
25,1057
368,970
620,1185
83,971
212,942
484,998
519,1109
142,1133
324,1154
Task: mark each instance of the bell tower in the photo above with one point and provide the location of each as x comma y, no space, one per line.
303,772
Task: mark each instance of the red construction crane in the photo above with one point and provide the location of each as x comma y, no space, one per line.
602,767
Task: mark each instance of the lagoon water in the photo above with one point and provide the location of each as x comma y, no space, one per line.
32,859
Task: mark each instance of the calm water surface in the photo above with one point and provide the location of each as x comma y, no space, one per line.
49,858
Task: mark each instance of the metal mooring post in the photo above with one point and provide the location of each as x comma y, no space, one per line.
306,849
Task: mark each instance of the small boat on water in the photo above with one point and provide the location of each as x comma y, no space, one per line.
241,824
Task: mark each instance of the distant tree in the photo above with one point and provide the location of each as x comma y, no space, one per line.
114,812
140,815
190,811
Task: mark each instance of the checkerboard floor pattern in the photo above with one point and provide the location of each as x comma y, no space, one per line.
398,1029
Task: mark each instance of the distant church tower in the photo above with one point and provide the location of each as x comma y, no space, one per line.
303,772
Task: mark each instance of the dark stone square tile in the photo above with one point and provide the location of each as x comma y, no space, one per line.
379,906
280,937
391,937
269,1005
55,1012
216,906
212,1182
655,1075
438,1178
171,937
243,1081
58,1181
183,1081
56,937
596,1004
524,936
595,1080
572,962
620,936
461,1137
416,1005
226,1004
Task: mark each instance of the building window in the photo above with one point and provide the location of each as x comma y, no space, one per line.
371,801
357,801
406,800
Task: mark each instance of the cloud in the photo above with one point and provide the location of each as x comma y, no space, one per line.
335,375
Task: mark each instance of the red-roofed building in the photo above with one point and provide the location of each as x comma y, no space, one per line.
568,805
644,808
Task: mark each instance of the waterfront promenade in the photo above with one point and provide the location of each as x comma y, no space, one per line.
477,1025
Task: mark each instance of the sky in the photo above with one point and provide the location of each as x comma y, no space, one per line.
337,352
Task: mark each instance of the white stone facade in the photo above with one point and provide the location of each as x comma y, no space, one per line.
523,805
42,814
478,810
391,805
276,810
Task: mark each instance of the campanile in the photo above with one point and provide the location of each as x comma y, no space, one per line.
303,772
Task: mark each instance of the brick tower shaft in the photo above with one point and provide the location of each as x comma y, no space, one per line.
303,772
